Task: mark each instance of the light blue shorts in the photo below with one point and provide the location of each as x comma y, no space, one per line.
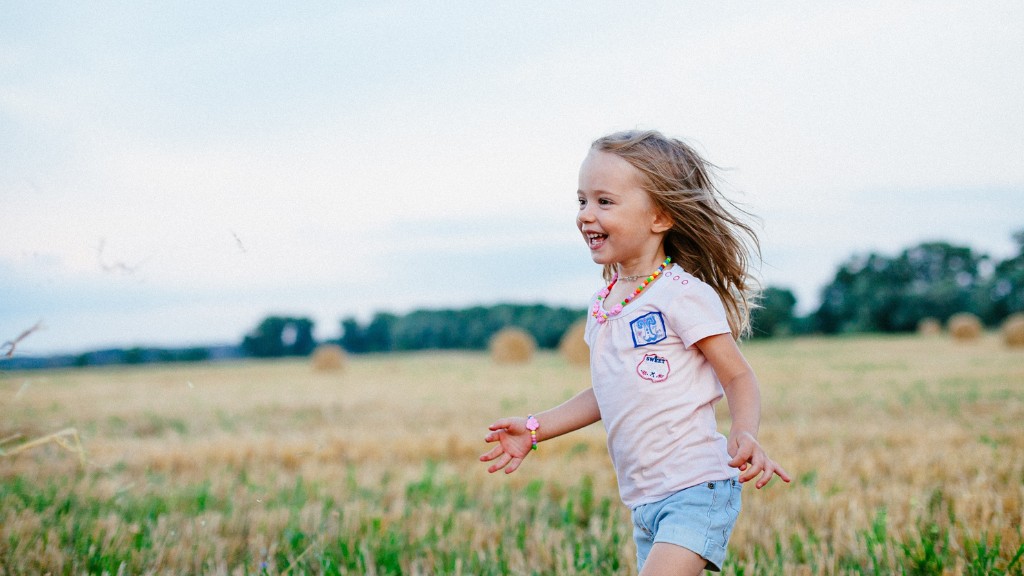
699,518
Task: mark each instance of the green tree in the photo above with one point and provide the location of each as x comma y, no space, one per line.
278,336
1003,294
379,333
881,293
774,315
353,336
466,329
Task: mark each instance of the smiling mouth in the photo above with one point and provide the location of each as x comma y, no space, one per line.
594,240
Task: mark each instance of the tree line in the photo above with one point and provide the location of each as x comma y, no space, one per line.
869,293
451,329
879,293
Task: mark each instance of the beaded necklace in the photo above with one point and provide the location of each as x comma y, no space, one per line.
602,317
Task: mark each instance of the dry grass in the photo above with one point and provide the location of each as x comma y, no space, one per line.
67,439
900,424
916,427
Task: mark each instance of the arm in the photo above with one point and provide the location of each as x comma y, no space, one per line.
513,439
744,394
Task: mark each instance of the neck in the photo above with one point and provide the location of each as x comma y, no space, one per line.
642,270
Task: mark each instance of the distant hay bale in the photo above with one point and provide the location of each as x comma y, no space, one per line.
572,346
964,326
1013,330
929,327
328,358
512,346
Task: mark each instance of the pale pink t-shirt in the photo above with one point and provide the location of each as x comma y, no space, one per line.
657,392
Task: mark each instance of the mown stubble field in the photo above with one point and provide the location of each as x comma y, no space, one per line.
907,455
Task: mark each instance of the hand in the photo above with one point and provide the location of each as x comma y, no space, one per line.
753,462
513,446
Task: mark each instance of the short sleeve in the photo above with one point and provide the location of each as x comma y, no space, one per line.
697,312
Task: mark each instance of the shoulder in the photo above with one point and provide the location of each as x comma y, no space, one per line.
693,308
680,284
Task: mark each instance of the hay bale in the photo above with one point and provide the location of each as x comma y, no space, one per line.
572,346
1013,330
964,326
512,346
929,327
328,358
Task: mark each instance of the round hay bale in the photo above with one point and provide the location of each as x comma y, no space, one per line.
512,346
328,358
929,327
964,326
1013,330
572,346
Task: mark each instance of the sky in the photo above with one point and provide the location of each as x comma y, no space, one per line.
170,174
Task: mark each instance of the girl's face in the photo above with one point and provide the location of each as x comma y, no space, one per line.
619,221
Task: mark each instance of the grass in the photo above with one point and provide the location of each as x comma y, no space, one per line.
907,453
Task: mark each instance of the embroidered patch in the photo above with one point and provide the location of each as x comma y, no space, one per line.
653,368
648,329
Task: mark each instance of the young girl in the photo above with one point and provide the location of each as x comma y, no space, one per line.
662,339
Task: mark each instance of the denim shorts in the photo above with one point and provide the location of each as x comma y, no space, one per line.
699,518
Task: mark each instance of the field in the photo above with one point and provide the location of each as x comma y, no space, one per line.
907,455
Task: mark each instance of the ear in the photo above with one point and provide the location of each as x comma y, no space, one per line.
662,222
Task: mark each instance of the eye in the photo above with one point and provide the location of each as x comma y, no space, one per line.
604,201
582,201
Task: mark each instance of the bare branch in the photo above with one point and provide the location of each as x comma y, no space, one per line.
12,344
238,241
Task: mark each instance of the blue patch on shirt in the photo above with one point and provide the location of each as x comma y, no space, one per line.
648,329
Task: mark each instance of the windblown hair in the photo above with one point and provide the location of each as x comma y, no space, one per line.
706,239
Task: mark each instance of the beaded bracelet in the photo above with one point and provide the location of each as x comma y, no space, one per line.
532,425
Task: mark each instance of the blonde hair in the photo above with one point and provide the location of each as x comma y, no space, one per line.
706,239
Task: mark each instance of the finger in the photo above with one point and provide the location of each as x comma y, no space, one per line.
494,436
783,474
743,454
752,468
770,470
499,424
491,454
752,471
501,463
513,465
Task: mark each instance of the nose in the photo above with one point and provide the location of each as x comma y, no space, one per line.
584,215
